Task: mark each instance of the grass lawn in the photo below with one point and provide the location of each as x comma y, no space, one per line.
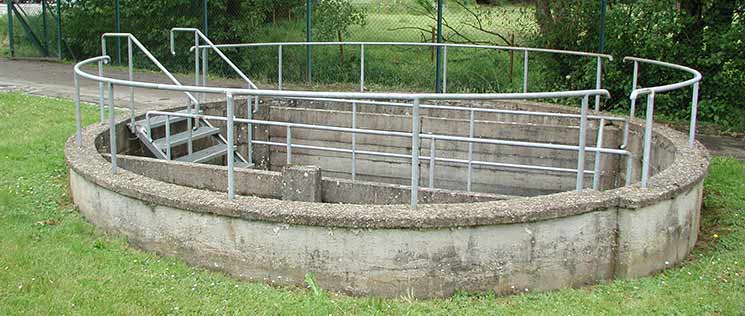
52,262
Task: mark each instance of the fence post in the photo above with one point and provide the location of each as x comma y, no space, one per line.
414,153
44,25
471,129
308,38
9,4
598,81
438,61
59,30
118,29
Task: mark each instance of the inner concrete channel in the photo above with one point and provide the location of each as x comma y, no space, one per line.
326,176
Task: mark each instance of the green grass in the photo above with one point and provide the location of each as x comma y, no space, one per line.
53,262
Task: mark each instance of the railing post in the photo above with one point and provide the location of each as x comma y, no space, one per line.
525,72
250,132
415,153
694,111
599,144
432,149
362,67
205,63
444,69
112,129
78,118
168,137
632,108
648,139
289,145
471,130
354,141
279,67
598,81
101,103
582,143
196,60
130,63
231,141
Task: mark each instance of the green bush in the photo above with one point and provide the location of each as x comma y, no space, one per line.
655,29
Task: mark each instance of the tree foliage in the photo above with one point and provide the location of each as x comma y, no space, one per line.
332,19
704,34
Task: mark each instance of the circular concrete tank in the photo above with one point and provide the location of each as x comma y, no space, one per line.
514,230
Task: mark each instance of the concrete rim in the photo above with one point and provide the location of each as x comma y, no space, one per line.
688,169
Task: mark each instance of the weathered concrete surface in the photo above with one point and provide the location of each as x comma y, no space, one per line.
302,183
538,243
382,262
270,184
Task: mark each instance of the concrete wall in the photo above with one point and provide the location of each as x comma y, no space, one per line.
537,243
270,184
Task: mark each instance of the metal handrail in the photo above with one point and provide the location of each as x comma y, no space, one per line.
149,55
214,47
414,102
651,92
415,97
512,48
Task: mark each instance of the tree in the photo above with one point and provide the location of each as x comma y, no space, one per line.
332,18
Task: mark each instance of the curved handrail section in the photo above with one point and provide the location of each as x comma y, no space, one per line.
497,47
650,92
668,87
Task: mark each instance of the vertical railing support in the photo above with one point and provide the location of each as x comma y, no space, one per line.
130,64
279,67
415,153
444,69
432,152
250,131
362,67
582,143
289,145
78,118
231,142
168,137
112,129
471,130
599,144
598,81
648,139
525,72
632,108
101,103
354,141
694,111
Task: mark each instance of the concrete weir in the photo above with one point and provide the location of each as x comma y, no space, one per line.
514,231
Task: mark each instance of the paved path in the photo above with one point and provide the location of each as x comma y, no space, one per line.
55,79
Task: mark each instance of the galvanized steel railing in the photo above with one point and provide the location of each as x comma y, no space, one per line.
372,98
